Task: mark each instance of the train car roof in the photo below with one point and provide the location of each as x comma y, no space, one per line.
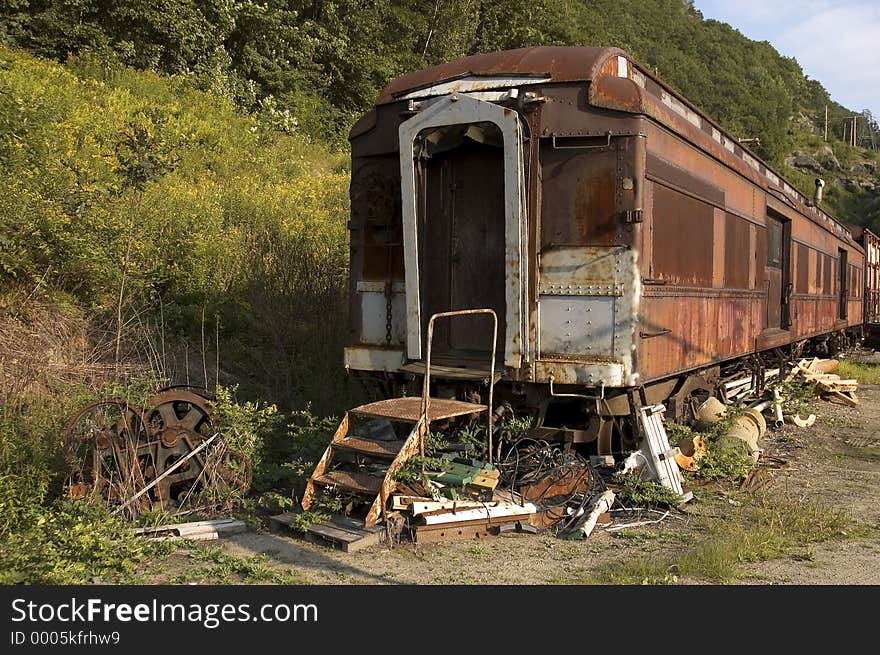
607,69
552,63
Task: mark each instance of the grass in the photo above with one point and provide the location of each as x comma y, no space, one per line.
864,373
211,564
766,528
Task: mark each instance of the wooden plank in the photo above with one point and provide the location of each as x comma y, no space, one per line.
483,481
346,533
194,531
430,535
850,399
285,520
401,502
422,507
353,525
483,513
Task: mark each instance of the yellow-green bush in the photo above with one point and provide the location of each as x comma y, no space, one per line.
118,181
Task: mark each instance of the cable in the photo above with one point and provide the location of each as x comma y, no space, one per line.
531,461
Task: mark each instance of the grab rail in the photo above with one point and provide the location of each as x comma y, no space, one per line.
426,396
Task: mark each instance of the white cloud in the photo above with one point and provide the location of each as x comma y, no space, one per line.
840,47
835,41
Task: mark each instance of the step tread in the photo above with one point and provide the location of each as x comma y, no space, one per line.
362,483
385,449
410,409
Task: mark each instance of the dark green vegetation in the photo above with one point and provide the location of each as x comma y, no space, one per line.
174,199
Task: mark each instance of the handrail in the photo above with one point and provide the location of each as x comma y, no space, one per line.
426,388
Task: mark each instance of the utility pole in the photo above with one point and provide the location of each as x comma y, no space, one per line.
854,130
845,123
826,122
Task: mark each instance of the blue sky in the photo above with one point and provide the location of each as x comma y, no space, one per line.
835,41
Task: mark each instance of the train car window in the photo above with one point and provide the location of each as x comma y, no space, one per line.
803,269
856,283
683,236
827,288
736,252
820,260
774,243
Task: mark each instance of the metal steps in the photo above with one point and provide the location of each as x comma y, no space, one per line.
420,412
351,477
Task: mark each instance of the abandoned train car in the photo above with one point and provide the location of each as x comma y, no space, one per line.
631,248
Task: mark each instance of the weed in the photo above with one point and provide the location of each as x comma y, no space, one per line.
864,373
644,492
216,565
724,463
719,462
478,549
798,396
326,503
273,502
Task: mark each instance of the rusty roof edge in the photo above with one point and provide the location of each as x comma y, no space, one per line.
691,131
532,60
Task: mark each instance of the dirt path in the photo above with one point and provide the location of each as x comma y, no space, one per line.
837,462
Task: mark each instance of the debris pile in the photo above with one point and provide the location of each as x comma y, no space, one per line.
427,486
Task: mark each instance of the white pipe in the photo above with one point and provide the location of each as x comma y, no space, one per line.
777,408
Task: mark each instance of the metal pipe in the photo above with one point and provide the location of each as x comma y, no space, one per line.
168,471
777,408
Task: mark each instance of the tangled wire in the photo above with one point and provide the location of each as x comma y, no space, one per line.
544,468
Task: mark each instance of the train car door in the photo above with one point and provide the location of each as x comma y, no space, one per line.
842,284
778,273
462,242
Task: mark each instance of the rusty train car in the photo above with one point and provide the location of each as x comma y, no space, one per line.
633,250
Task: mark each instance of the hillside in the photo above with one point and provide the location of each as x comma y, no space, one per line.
317,64
177,225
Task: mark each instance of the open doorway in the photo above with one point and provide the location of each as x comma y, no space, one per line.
462,235
778,272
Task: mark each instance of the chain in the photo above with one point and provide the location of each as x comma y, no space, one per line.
389,291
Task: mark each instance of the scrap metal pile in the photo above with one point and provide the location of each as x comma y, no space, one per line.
165,454
538,485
